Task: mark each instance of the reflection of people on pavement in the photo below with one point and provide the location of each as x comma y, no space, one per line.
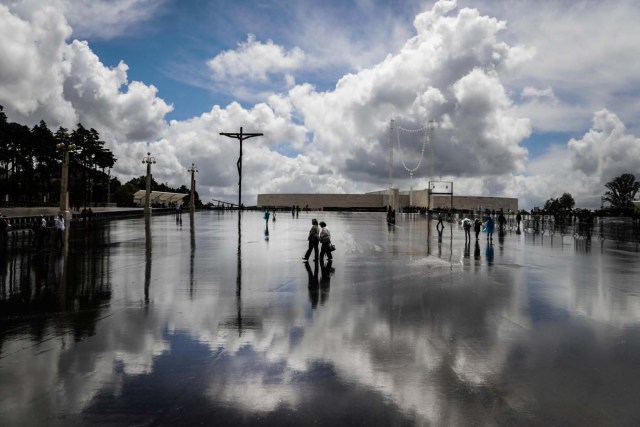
4,230
440,230
325,281
314,286
266,232
3,265
476,251
489,252
467,248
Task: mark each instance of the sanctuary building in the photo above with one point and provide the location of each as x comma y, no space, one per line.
379,200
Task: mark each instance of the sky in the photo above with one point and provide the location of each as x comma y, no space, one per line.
523,99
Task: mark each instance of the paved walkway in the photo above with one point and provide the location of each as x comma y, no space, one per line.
219,322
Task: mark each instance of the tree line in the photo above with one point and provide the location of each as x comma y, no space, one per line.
31,167
621,192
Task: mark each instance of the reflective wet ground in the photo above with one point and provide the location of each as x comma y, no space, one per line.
188,323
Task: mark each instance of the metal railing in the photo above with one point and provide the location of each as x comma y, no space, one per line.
619,229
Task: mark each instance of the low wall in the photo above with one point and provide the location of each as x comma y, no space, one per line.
473,203
322,201
376,201
24,219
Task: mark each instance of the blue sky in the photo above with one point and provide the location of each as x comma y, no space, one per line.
530,99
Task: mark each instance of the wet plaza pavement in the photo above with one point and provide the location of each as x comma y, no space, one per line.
186,323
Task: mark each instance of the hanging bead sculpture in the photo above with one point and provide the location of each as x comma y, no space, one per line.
424,129
424,144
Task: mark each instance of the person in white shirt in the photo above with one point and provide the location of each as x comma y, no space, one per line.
325,241
59,224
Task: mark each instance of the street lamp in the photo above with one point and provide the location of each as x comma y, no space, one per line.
12,180
148,160
192,198
91,170
90,192
64,180
109,187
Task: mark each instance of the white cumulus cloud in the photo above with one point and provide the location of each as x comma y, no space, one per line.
606,150
486,82
254,60
102,19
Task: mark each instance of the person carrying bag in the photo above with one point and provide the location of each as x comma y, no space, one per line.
325,241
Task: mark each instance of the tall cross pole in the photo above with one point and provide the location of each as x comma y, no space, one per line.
148,160
241,137
192,197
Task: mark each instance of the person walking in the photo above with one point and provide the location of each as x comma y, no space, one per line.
314,239
502,221
266,215
325,241
477,225
466,224
491,225
59,224
4,229
42,233
439,224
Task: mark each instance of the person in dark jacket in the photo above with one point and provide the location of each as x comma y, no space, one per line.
477,224
314,239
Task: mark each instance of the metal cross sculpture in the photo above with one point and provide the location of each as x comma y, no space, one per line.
241,137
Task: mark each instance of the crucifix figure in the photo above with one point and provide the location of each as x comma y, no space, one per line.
241,137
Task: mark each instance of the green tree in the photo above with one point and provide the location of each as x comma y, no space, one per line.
552,205
562,204
30,163
46,161
566,202
622,190
123,196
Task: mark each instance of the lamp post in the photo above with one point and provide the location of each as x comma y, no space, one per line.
90,192
65,146
148,160
12,149
109,187
192,197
